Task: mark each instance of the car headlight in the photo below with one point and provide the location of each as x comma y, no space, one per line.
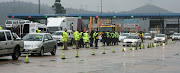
163,38
133,41
35,46
125,41
155,38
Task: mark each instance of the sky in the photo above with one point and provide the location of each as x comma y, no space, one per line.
111,5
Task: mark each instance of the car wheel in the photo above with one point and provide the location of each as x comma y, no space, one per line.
41,53
16,53
54,51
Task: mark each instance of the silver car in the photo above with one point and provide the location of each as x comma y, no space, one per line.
39,43
160,38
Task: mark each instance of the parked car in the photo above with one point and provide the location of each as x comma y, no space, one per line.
160,38
176,36
123,36
9,45
132,40
147,36
58,37
39,43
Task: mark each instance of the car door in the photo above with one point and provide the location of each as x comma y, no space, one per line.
51,43
3,43
45,43
10,42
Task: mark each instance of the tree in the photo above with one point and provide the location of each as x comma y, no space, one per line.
58,8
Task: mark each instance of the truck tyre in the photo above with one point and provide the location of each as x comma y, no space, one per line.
54,51
16,53
41,53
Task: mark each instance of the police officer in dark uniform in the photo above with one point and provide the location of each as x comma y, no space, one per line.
108,38
91,39
104,38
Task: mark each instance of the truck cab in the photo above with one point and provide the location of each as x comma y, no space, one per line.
9,45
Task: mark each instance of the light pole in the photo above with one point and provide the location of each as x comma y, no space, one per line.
101,6
39,10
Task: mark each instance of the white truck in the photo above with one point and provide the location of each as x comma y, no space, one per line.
60,23
10,45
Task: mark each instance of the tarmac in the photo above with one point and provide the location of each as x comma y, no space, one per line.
161,59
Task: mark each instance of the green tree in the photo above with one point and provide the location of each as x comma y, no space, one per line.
58,8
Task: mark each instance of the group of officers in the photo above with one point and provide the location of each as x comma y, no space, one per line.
82,39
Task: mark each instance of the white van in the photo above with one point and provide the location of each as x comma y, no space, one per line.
60,23
11,23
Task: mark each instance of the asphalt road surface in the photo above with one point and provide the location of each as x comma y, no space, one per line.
161,59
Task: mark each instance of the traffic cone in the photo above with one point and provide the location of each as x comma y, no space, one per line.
63,56
104,52
113,50
160,44
131,48
124,49
140,47
63,47
27,60
74,46
93,53
136,47
148,45
143,46
77,55
166,43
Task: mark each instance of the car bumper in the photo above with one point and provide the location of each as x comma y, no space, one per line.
159,40
129,44
175,38
30,51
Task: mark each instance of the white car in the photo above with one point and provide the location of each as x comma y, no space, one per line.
132,40
58,36
176,36
147,36
160,38
123,36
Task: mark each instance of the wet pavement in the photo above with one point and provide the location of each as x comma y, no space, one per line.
161,59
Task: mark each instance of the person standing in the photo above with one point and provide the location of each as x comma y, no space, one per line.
95,36
65,39
108,38
77,38
81,44
117,37
104,37
86,36
91,38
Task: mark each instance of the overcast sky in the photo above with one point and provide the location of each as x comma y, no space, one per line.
112,5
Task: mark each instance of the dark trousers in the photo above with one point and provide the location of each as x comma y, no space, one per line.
77,46
91,42
65,45
104,41
108,41
81,43
96,42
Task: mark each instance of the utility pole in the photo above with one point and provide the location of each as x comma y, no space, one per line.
39,10
101,6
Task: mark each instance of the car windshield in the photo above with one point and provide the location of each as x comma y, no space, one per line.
147,34
160,35
58,33
176,34
124,34
132,37
33,37
9,22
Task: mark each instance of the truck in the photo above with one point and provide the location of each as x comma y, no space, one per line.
10,45
60,23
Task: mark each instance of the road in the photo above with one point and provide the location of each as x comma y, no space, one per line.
162,59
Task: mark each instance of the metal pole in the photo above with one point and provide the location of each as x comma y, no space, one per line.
101,6
178,25
39,7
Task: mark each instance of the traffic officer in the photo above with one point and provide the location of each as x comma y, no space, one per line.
74,43
77,38
65,39
104,37
91,38
113,38
108,38
81,44
95,36
117,38
1,27
86,36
